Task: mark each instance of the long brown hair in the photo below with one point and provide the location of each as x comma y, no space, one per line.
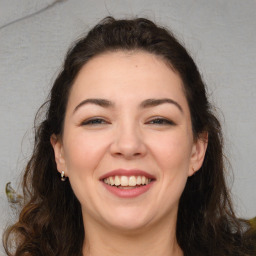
50,222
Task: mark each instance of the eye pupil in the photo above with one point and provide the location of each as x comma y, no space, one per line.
161,121
96,121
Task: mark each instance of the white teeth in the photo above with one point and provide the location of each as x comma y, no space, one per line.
132,181
126,181
138,180
112,181
117,181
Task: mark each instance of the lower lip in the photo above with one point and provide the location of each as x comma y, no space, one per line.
128,193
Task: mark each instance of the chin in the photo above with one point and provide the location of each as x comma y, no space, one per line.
128,220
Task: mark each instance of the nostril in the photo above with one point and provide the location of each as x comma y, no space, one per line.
127,145
127,155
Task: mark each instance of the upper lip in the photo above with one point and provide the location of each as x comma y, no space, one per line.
127,172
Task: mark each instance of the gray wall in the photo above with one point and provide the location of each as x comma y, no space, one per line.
220,34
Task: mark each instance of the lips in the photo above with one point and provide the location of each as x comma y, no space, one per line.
127,183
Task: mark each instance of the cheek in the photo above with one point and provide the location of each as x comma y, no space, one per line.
172,151
172,154
83,152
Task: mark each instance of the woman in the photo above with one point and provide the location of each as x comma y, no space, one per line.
128,160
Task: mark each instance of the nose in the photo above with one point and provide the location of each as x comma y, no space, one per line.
128,143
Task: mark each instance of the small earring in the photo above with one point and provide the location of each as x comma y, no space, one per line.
194,172
63,178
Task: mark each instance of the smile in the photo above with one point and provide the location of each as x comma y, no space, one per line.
127,182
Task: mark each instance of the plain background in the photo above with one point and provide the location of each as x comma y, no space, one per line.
219,34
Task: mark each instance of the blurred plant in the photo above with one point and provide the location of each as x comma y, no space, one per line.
252,233
253,223
12,196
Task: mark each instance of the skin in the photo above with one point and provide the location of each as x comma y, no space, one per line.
157,139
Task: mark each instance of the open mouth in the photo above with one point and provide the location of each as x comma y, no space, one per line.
127,182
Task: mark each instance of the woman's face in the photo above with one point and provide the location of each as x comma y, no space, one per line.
127,146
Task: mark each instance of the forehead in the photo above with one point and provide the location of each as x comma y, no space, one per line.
123,74
127,65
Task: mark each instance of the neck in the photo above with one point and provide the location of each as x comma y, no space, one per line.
154,240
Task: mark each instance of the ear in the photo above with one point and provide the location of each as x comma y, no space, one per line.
198,153
58,152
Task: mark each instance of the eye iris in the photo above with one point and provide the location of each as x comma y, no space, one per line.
159,121
96,121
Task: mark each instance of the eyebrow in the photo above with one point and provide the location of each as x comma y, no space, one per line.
144,104
156,102
100,102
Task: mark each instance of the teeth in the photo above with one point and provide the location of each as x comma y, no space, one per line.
124,181
112,181
117,181
139,180
132,181
127,181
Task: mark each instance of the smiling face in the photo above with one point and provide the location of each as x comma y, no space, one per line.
127,144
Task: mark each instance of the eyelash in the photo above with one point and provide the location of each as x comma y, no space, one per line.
155,121
161,121
94,121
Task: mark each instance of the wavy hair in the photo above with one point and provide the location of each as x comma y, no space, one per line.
50,222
